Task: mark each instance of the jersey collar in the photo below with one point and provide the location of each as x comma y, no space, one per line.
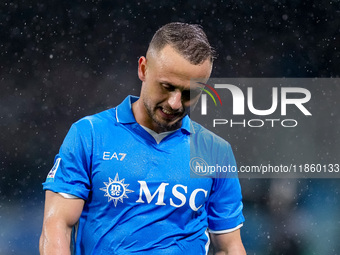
124,110
124,114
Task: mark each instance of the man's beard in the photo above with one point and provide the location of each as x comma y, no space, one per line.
163,127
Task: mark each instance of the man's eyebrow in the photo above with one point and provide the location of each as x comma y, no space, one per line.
173,85
180,87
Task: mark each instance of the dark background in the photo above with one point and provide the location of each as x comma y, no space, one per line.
62,60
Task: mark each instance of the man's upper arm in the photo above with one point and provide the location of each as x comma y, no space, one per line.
65,209
228,243
60,215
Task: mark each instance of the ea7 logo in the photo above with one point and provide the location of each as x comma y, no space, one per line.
107,155
239,105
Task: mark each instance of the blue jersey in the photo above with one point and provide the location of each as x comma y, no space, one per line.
140,197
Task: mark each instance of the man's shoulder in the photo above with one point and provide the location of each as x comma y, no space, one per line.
203,135
98,120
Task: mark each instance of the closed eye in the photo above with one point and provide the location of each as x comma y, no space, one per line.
168,87
186,94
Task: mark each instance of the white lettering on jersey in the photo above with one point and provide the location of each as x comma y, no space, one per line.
161,191
144,188
107,155
178,195
193,196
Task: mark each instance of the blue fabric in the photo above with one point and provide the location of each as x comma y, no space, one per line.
140,196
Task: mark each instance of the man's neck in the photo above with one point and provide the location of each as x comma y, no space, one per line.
141,115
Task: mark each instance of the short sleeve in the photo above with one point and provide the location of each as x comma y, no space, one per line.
225,201
71,171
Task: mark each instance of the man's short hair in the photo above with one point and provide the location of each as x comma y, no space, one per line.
189,40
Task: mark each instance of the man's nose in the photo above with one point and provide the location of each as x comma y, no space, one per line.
175,100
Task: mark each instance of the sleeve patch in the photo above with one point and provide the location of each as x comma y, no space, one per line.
51,174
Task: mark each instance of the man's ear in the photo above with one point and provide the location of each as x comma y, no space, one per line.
142,68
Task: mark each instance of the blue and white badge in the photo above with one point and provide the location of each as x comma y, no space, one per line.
51,174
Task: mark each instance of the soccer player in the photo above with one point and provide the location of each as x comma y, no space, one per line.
121,182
